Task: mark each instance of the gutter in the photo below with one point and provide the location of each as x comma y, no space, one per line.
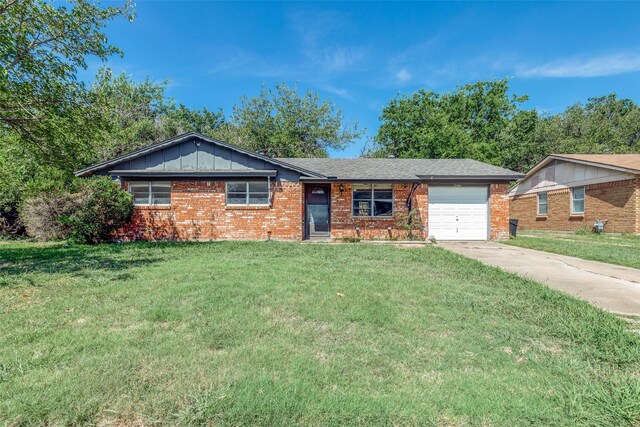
471,177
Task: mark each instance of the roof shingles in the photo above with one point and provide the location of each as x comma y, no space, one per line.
401,169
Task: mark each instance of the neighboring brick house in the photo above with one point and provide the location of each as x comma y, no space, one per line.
570,191
197,188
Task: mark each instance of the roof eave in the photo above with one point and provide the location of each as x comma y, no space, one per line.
471,177
360,179
544,162
195,173
597,164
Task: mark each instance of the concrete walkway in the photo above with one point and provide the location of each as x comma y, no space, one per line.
611,287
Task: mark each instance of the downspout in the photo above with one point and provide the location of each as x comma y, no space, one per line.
413,189
409,205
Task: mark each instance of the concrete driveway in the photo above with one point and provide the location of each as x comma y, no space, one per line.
611,287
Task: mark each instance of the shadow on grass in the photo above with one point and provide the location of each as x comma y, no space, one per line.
73,259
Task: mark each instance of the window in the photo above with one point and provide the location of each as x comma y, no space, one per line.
373,200
150,193
248,193
542,204
577,200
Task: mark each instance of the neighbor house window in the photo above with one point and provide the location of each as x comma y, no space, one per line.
373,200
542,204
150,193
248,193
577,200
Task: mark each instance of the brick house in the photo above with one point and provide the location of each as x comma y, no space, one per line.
570,191
197,188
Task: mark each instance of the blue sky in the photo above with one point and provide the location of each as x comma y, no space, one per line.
363,54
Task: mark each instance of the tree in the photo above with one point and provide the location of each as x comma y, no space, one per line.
521,144
468,122
135,114
482,121
604,125
281,123
41,49
206,122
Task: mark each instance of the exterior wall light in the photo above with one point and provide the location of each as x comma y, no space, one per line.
341,188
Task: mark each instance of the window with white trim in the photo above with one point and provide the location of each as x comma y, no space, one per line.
248,193
150,193
577,200
543,204
373,200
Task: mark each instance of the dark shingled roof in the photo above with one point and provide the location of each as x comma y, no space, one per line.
402,169
360,169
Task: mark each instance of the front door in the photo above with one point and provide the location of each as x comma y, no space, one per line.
317,203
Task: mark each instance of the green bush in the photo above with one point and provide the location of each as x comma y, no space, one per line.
87,213
102,208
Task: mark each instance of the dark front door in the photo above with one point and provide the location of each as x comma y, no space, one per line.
317,203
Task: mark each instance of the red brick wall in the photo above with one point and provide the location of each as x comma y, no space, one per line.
344,224
617,202
198,212
638,205
499,211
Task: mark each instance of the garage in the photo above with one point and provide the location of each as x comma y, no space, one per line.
458,212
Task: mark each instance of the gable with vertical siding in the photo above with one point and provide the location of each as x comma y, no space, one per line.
558,174
196,155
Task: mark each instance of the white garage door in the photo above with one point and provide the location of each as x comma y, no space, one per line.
458,213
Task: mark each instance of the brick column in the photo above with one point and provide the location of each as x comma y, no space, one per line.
638,205
499,211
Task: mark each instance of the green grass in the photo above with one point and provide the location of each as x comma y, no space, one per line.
621,249
242,333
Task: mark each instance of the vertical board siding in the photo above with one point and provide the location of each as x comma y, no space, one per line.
200,155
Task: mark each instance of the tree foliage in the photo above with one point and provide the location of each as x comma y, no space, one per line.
483,121
282,123
135,114
467,122
41,48
604,124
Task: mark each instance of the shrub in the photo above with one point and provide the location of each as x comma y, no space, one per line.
409,222
102,208
89,213
41,215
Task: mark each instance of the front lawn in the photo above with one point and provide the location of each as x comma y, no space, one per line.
621,249
241,333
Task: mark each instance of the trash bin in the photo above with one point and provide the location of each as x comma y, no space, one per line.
513,227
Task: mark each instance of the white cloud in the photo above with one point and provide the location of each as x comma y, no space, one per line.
341,92
403,75
318,35
318,57
605,65
339,58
